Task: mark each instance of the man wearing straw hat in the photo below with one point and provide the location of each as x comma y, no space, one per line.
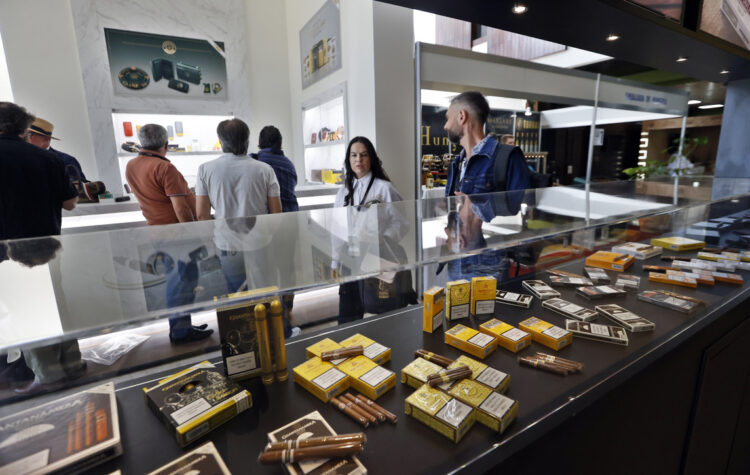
39,133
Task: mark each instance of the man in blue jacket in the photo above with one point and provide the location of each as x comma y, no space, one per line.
269,144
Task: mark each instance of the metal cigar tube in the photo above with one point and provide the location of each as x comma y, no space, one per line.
279,342
264,345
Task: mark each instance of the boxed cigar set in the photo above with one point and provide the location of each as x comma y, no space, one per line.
492,409
368,377
506,336
480,372
512,298
595,331
321,378
569,309
638,250
595,292
677,243
615,261
415,373
566,281
373,350
324,345
204,459
441,412
314,425
70,434
694,265
546,333
196,401
540,289
628,281
727,278
551,364
701,277
626,318
597,276
433,312
239,341
483,295
674,279
471,341
457,299
670,300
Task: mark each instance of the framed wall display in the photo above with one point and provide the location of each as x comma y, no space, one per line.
145,64
320,44
728,20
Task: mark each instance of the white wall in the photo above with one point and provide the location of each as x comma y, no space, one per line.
45,71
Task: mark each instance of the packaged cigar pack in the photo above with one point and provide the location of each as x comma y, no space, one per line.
595,331
204,459
638,250
483,295
671,300
546,333
565,281
70,434
540,290
506,336
727,278
441,412
481,373
710,256
722,265
375,351
433,312
677,243
367,377
239,343
610,260
694,265
471,341
492,409
564,273
569,309
597,276
702,277
314,425
321,378
674,279
595,292
325,344
626,318
512,298
415,373
195,401
457,299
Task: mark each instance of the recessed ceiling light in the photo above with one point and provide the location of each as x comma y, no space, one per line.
520,8
681,59
724,71
613,37
693,102
711,106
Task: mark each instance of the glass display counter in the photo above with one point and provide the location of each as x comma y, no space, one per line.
116,291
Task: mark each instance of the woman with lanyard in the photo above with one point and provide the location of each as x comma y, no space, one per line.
365,184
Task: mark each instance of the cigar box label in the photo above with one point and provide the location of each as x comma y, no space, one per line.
555,332
540,289
485,306
191,410
459,311
497,405
512,298
241,363
454,412
491,377
204,459
458,299
376,376
375,350
594,331
481,339
514,334
329,378
372,349
480,372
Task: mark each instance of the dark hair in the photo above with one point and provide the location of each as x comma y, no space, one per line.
33,252
270,137
476,104
234,136
14,119
376,167
153,136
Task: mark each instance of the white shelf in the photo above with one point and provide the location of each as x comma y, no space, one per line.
325,144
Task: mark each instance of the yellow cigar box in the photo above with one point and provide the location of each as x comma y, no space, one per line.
481,373
546,333
610,260
471,341
483,295
457,299
321,378
677,243
375,351
367,377
324,345
415,373
506,336
491,409
433,312
441,412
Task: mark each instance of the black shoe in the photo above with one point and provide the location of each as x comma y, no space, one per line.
200,327
194,335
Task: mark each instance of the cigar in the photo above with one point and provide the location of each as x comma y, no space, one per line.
342,353
357,437
715,250
557,359
550,360
684,297
360,410
539,364
346,408
317,452
388,414
659,268
621,257
446,376
360,405
437,359
564,273
675,258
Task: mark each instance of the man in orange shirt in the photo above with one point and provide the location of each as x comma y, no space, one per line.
165,198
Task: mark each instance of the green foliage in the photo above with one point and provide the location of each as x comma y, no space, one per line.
653,168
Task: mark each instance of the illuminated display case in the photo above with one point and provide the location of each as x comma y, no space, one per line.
325,135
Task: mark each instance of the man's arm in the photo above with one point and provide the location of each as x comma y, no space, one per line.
182,209
70,204
203,207
274,204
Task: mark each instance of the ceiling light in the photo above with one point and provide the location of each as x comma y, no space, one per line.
520,8
681,59
693,102
711,106
724,71
613,37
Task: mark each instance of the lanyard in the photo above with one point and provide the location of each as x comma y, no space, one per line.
150,154
372,179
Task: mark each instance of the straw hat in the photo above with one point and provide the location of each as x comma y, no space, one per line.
42,127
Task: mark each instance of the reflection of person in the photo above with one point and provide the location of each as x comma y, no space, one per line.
269,151
39,133
507,139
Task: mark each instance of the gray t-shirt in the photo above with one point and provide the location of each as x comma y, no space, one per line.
237,185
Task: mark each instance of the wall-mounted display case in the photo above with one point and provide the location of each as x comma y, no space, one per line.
325,135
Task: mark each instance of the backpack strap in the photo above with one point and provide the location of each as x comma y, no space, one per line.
502,157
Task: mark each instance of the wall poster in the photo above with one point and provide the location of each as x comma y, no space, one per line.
145,64
728,20
320,44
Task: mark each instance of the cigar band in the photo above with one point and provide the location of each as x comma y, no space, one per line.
444,378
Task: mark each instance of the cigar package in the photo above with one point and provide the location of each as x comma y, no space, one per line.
565,281
677,243
195,401
628,282
722,265
204,459
70,434
694,265
239,343
615,261
570,310
710,256
415,373
375,351
703,277
457,299
626,318
325,344
546,333
481,373
671,300
638,250
314,425
727,278
596,292
540,290
483,295
441,412
321,378
597,276
595,331
674,279
367,377
506,336
433,312
512,298
471,341
492,410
